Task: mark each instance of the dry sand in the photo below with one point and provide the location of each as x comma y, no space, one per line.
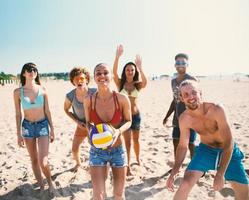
17,179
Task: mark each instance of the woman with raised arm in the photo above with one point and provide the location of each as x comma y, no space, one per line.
113,108
131,82
80,78
33,129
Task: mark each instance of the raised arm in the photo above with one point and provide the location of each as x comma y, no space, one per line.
226,134
119,52
181,150
138,63
48,115
17,102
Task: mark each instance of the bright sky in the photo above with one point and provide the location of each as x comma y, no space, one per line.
60,34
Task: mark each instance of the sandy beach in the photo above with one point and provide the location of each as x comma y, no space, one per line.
17,180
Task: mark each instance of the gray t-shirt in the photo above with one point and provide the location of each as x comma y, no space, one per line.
78,107
180,107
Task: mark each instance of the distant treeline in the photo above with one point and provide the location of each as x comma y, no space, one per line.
55,76
10,78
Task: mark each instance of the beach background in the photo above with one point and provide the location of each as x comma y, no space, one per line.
17,180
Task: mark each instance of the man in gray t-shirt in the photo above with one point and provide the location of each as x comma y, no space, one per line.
176,106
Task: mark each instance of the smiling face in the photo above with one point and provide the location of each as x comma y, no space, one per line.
102,75
181,64
130,71
191,96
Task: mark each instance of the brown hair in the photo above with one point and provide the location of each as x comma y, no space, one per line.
77,71
24,68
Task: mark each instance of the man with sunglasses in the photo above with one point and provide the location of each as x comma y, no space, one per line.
176,106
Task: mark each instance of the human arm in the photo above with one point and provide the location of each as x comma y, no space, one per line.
226,135
67,106
17,102
138,62
119,52
170,111
126,108
180,151
48,115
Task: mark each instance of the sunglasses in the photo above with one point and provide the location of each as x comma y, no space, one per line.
100,73
29,70
181,63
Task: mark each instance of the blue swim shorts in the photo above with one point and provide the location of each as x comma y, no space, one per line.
116,156
208,158
35,129
176,134
136,121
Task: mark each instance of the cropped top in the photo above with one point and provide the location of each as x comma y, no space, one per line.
27,104
78,107
117,116
133,93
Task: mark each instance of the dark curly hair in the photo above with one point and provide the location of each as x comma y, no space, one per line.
77,71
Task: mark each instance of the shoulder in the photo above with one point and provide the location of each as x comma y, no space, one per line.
184,119
17,91
71,94
122,97
190,77
43,90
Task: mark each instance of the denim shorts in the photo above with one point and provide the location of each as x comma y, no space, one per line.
136,121
116,156
35,129
176,134
208,158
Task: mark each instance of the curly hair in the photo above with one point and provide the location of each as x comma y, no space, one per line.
77,71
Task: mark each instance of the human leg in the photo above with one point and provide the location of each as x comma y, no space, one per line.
32,150
189,180
119,182
127,137
136,143
175,144
98,177
79,136
43,147
241,190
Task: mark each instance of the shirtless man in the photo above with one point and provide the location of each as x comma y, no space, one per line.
217,151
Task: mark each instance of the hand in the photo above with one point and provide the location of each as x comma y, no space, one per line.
81,125
169,183
115,135
20,141
138,62
119,51
218,182
165,120
51,136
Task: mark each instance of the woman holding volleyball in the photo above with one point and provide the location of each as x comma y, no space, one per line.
110,107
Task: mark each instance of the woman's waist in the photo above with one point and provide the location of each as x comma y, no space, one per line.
34,116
